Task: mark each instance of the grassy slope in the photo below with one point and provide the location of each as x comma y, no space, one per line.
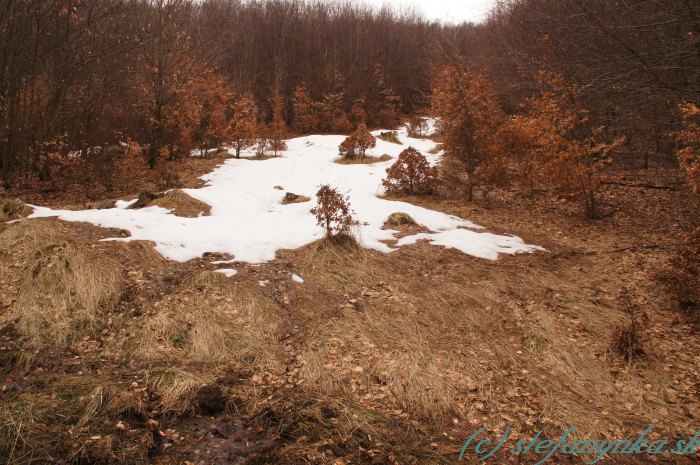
373,359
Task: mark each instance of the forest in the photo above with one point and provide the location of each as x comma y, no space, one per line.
243,229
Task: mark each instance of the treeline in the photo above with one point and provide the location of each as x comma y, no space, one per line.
636,62
166,76
89,80
562,94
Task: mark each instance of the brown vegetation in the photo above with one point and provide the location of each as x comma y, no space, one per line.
410,174
291,197
333,212
362,348
182,204
355,146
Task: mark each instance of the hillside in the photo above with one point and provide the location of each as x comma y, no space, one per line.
217,325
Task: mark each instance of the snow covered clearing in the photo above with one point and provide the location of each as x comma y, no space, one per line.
249,221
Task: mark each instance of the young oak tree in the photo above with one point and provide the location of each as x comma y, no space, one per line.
468,119
242,127
332,211
304,109
410,174
278,127
357,143
560,146
689,155
416,126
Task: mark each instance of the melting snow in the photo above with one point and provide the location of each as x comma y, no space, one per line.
249,221
229,272
297,278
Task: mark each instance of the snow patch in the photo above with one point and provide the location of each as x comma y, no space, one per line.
228,272
297,278
248,221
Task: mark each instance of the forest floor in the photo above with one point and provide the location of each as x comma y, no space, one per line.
112,354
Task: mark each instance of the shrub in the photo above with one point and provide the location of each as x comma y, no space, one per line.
469,122
682,277
411,174
689,156
332,211
357,143
628,338
417,126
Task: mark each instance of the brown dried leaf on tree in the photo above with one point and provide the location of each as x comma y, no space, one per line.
357,143
689,156
557,146
410,174
682,275
469,120
305,116
242,124
333,211
629,339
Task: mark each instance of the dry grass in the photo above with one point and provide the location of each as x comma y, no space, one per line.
176,388
437,149
399,219
182,204
374,356
12,209
63,290
390,136
66,419
366,160
294,198
230,322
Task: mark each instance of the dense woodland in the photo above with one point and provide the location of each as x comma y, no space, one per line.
160,78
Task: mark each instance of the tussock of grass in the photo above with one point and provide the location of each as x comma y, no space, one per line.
390,136
294,198
66,420
12,209
182,204
63,290
399,219
366,160
209,278
176,388
230,323
437,149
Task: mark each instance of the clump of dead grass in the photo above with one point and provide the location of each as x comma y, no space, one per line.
389,136
231,323
182,204
437,149
399,219
63,290
176,388
366,160
290,197
12,209
67,419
